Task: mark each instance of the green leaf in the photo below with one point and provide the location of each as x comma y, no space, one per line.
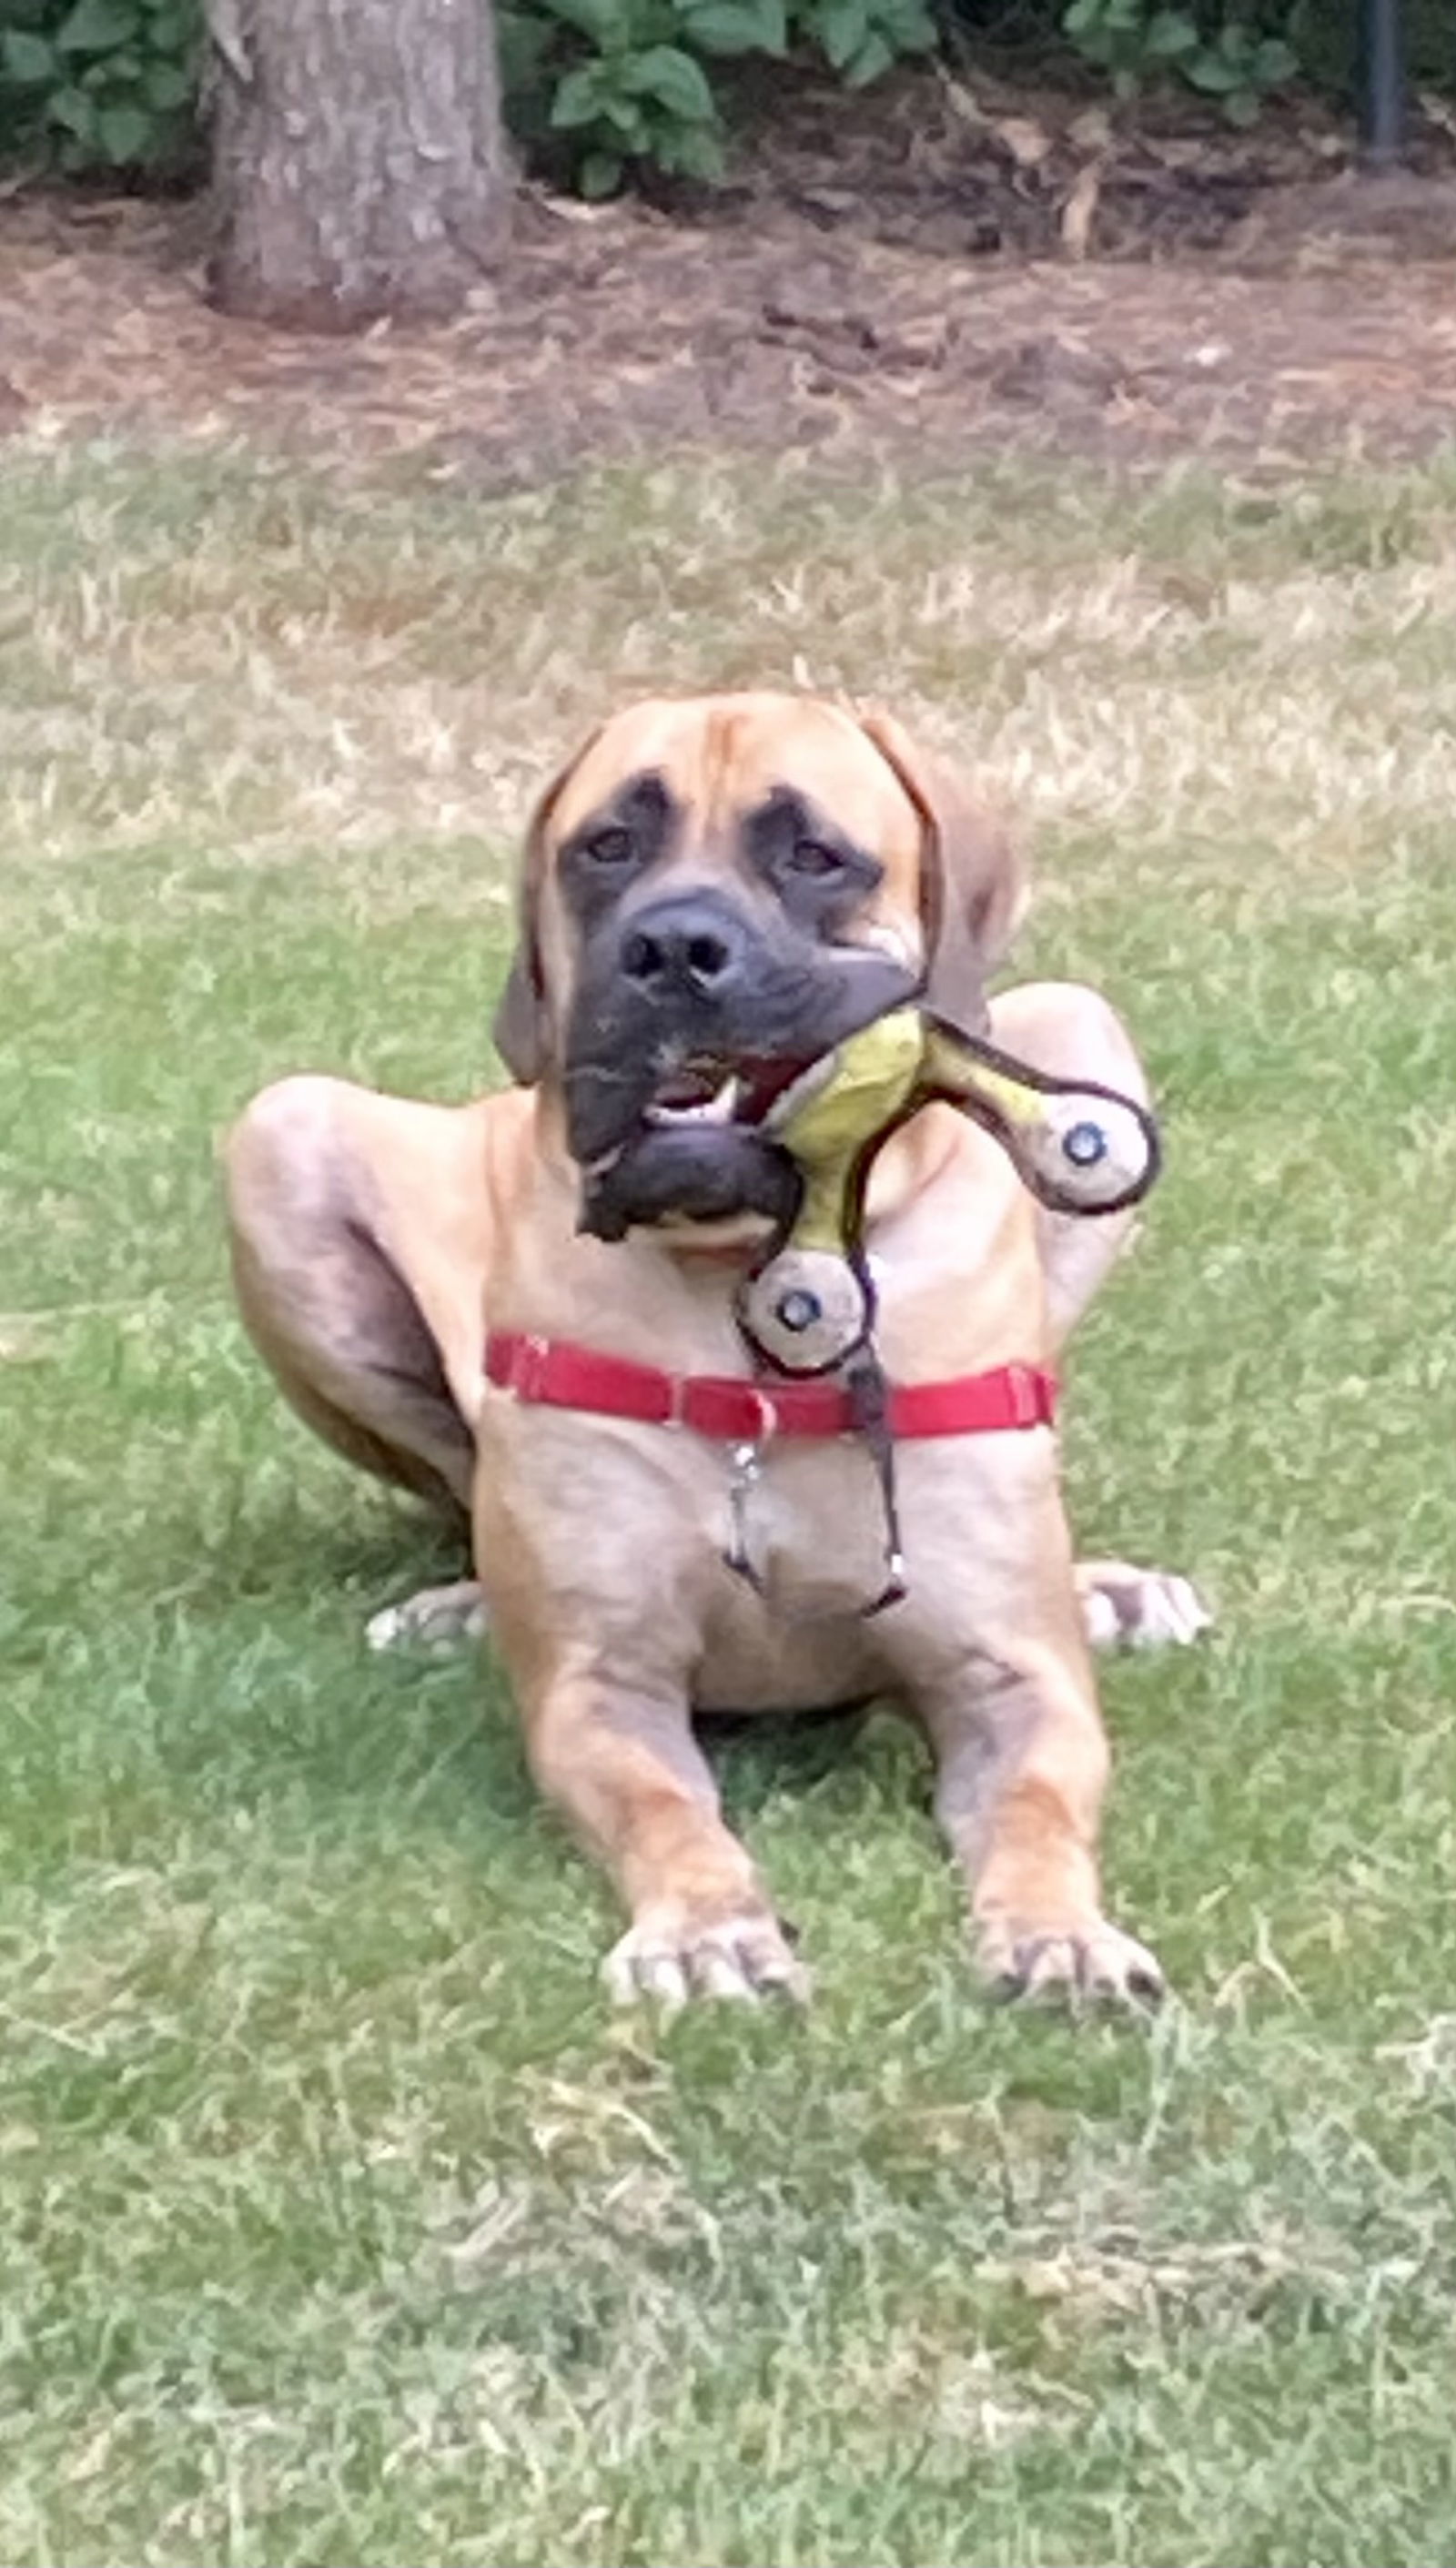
841,27
592,18
124,132
1210,72
1170,34
1243,107
694,151
729,27
29,60
97,26
166,86
73,109
625,118
578,98
599,174
906,26
175,29
1275,61
873,57
673,77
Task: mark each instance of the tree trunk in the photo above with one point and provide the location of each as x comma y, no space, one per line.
360,170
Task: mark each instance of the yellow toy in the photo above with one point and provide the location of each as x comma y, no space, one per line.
1078,1149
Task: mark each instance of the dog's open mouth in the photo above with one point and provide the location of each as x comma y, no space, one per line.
706,1092
702,1150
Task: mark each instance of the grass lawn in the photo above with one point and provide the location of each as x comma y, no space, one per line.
341,2223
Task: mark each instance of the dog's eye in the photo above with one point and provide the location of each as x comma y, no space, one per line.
812,859
606,847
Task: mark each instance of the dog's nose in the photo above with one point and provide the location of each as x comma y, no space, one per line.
683,948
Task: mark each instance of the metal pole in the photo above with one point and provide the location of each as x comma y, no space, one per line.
1382,101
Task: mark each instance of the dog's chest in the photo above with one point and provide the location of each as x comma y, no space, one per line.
972,1514
633,1527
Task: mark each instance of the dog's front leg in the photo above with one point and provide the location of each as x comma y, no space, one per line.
630,1779
1021,1764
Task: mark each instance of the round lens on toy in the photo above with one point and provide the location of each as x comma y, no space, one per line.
1084,1144
806,1310
798,1310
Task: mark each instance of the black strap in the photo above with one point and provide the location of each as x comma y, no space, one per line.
869,1397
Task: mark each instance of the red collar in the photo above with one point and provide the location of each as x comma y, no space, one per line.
556,1375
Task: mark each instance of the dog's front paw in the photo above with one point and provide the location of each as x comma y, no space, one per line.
438,1618
1092,1963
671,1955
1139,1609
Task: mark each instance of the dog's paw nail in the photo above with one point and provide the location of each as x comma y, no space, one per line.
743,1959
661,1975
778,1975
722,1974
635,1970
1104,1628
1173,1614
1096,1965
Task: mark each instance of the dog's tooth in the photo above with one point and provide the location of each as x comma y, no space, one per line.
713,1110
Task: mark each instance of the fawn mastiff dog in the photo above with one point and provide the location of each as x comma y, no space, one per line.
522,1308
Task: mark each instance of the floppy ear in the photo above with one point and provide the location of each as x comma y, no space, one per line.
973,891
523,1027
521,1032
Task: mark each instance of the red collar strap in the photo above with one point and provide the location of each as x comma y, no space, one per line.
553,1374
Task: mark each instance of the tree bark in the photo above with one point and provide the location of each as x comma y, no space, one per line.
359,169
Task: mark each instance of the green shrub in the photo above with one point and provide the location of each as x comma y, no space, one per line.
603,89
1140,41
612,86
1324,34
630,84
98,84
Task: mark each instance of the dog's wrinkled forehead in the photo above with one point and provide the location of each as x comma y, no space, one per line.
714,766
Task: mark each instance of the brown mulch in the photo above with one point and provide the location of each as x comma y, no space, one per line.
945,272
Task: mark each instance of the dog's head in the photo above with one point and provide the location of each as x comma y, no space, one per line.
717,892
